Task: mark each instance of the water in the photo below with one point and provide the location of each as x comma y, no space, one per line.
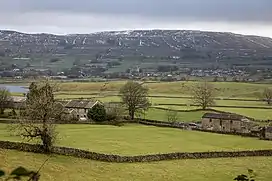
15,88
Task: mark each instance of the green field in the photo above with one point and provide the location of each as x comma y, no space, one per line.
223,89
104,91
262,114
71,169
168,89
136,139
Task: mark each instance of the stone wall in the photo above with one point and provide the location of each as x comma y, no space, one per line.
132,159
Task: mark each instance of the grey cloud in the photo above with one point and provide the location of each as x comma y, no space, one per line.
206,10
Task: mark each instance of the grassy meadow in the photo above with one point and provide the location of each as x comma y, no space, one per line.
223,89
137,139
71,169
133,139
107,91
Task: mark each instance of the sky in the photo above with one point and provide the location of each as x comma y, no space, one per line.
252,17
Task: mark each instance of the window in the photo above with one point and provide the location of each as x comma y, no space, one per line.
210,120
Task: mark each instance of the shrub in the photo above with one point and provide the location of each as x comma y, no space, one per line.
115,112
20,173
250,177
97,113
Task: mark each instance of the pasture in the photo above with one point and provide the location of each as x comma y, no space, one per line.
176,95
70,169
253,108
170,91
223,89
134,139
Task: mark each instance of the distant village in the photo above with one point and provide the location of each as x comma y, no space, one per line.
161,73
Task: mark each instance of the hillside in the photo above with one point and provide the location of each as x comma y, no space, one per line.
148,47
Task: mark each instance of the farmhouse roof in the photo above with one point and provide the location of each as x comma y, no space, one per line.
223,116
81,104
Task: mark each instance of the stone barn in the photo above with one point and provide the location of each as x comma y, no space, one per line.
79,108
226,122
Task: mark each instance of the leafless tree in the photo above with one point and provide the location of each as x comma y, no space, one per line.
40,112
115,111
172,116
134,97
203,95
5,99
267,95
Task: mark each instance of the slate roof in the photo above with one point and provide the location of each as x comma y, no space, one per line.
81,104
223,116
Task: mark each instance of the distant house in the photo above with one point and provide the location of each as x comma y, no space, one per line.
226,122
79,108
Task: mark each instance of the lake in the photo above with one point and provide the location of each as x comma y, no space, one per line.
15,88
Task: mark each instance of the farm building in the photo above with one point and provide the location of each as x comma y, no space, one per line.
79,108
73,108
226,122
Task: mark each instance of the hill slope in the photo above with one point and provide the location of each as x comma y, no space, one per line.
178,45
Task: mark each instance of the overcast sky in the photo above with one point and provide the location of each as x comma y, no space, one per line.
87,16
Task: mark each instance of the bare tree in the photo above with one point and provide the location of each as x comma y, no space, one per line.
203,95
115,112
5,99
134,97
267,95
39,114
172,116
